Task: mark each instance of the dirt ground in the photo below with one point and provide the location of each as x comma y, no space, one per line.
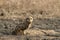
46,15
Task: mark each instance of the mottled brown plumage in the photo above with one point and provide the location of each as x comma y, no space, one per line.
19,30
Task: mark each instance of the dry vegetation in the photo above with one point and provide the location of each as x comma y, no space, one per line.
46,14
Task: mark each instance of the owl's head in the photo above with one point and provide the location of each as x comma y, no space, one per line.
29,19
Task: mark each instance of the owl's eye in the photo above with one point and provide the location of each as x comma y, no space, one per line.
28,19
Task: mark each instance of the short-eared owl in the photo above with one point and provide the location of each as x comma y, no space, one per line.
19,30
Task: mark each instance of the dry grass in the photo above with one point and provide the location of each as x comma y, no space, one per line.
35,8
38,9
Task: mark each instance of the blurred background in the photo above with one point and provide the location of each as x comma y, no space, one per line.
46,15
